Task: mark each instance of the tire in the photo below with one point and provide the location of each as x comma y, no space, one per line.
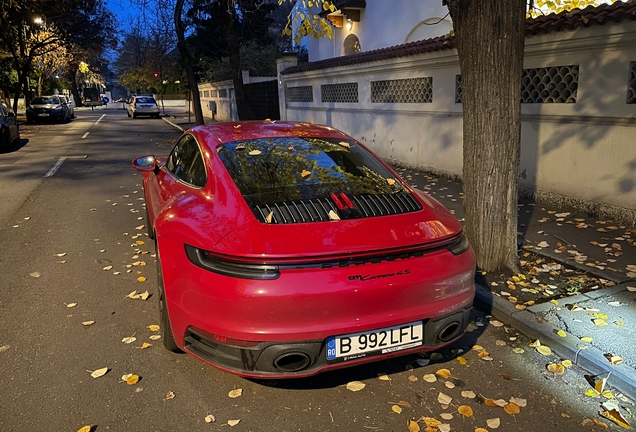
5,140
167,337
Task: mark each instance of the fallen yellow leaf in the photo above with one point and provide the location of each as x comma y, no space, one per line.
235,393
443,373
414,426
153,327
141,279
355,386
132,379
85,429
557,369
586,339
512,408
396,409
462,361
562,333
616,417
546,351
465,410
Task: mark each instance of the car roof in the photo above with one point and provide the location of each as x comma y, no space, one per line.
214,134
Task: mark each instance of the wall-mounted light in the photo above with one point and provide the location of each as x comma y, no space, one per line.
349,25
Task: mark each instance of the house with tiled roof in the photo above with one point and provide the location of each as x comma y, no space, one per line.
403,98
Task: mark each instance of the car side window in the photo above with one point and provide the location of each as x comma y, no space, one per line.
186,162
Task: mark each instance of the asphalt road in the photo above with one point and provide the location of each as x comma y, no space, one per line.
61,234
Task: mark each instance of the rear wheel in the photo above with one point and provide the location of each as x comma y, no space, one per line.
166,329
5,140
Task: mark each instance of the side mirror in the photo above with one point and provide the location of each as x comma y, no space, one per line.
145,164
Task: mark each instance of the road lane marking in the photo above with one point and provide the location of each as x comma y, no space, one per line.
100,119
55,167
85,135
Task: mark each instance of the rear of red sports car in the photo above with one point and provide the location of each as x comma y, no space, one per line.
297,251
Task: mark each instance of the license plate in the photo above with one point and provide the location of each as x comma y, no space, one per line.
381,341
43,115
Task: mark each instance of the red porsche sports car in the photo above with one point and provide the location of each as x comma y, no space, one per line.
287,249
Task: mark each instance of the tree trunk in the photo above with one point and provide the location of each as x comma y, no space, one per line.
74,90
188,63
228,23
489,35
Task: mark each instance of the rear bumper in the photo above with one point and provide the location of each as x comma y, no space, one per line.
306,358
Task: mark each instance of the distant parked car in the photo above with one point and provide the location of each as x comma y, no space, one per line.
48,108
69,104
143,105
9,129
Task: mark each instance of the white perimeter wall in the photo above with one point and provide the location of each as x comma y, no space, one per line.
584,150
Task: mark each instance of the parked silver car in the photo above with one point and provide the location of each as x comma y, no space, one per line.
69,104
142,105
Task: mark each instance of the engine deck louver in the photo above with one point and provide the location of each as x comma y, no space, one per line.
317,209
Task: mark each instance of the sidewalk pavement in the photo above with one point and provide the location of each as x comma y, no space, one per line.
601,248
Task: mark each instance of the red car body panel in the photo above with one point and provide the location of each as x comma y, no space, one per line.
309,302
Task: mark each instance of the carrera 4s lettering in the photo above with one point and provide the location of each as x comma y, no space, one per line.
368,277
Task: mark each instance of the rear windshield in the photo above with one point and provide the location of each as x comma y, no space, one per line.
145,100
45,101
286,169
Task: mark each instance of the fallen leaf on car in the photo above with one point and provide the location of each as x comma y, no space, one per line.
465,410
333,215
355,386
390,181
616,417
235,393
587,339
255,152
210,418
99,372
269,217
562,333
493,423
345,144
305,173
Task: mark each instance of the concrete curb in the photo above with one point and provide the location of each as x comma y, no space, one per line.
176,126
591,359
